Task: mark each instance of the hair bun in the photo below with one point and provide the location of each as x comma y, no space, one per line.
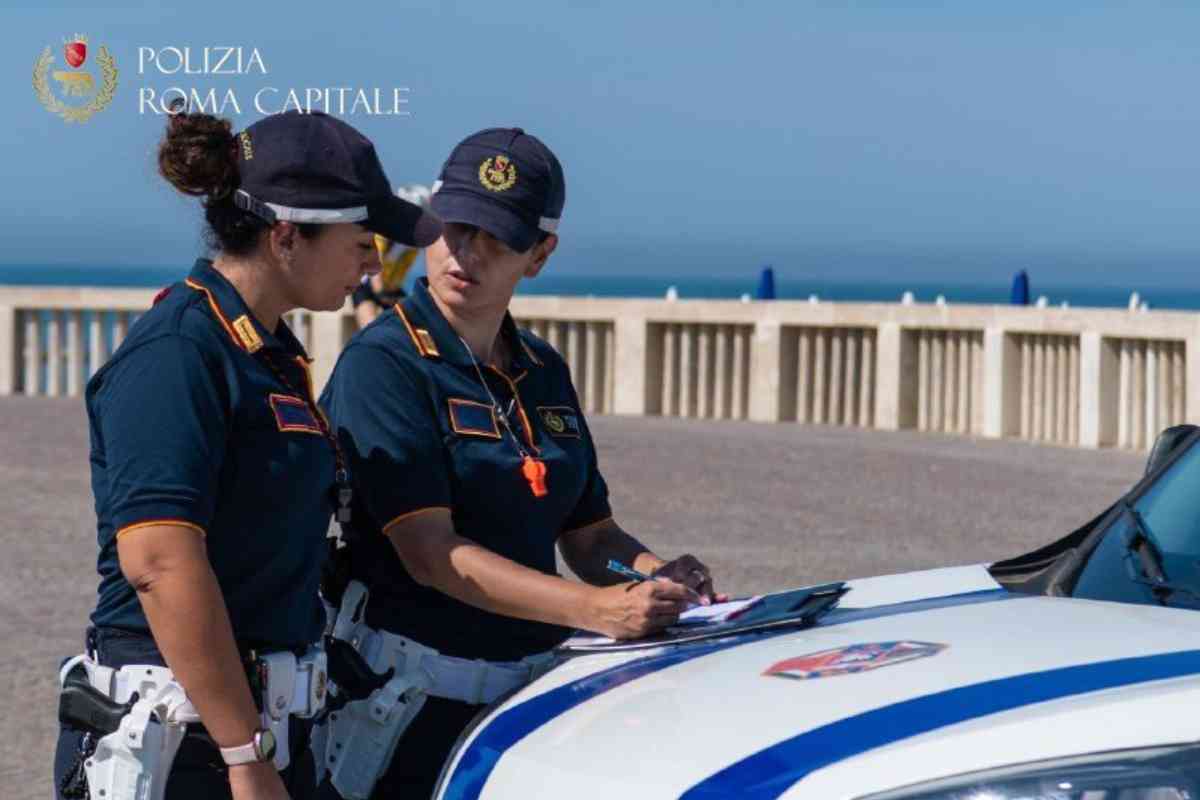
198,154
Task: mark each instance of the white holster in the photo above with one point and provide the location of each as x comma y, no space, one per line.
291,687
132,762
362,737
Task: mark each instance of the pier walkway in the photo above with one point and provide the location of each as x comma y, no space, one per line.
768,506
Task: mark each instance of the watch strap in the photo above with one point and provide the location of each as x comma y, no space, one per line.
261,747
242,754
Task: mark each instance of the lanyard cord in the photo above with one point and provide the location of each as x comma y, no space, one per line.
496,407
532,469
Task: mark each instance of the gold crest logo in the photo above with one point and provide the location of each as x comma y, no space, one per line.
75,82
498,173
247,146
554,422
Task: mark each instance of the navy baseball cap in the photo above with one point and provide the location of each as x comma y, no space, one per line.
316,168
504,181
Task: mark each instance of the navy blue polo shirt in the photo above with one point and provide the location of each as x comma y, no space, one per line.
192,425
419,432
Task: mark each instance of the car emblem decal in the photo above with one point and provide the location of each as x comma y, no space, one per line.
852,659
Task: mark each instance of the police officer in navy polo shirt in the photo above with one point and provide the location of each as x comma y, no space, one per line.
471,462
215,474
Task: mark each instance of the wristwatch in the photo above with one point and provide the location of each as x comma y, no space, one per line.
261,748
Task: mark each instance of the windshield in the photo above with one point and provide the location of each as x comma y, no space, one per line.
1170,512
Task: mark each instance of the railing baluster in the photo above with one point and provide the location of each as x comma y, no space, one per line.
1162,355
1039,388
53,355
804,377
836,341
924,369
866,409
610,367
96,357
853,381
1179,385
74,352
595,366
1050,423
33,353
703,372
670,381
741,370
1139,394
950,384
821,345
965,379
721,373
1073,392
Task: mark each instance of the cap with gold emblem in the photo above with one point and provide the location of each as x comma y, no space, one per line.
504,181
316,168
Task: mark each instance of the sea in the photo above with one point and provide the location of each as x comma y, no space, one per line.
695,285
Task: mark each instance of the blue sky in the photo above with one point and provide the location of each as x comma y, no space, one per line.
832,139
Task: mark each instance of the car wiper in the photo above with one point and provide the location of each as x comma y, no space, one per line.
1141,543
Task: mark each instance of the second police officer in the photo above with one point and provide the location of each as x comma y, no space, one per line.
471,462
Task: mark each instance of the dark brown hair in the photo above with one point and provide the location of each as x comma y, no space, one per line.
198,156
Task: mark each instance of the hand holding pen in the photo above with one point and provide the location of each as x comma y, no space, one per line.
634,610
686,570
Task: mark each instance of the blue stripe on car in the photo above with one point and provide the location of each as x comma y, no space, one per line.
514,724
771,772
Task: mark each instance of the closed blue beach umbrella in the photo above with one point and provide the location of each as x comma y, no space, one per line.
766,285
1020,289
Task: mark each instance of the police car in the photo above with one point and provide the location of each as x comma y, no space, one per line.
1069,673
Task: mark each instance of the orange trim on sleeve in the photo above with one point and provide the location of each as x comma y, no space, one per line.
181,523
589,526
405,516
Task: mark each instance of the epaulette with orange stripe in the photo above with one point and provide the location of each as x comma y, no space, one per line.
422,339
241,330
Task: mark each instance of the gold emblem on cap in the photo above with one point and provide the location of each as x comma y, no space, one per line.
498,173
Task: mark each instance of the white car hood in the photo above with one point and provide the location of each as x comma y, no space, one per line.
1004,679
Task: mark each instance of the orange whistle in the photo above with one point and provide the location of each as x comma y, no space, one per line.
535,472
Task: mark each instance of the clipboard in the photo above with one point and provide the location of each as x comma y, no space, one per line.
799,608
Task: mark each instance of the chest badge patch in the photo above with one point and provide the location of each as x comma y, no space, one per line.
293,415
472,419
560,421
852,659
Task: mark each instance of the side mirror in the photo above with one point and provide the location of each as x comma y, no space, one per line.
1166,443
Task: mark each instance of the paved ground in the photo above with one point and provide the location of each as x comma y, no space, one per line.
767,506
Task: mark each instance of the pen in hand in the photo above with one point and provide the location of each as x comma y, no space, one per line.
633,575
627,572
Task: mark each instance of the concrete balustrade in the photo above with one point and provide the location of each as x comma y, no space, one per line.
1084,377
587,346
700,370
